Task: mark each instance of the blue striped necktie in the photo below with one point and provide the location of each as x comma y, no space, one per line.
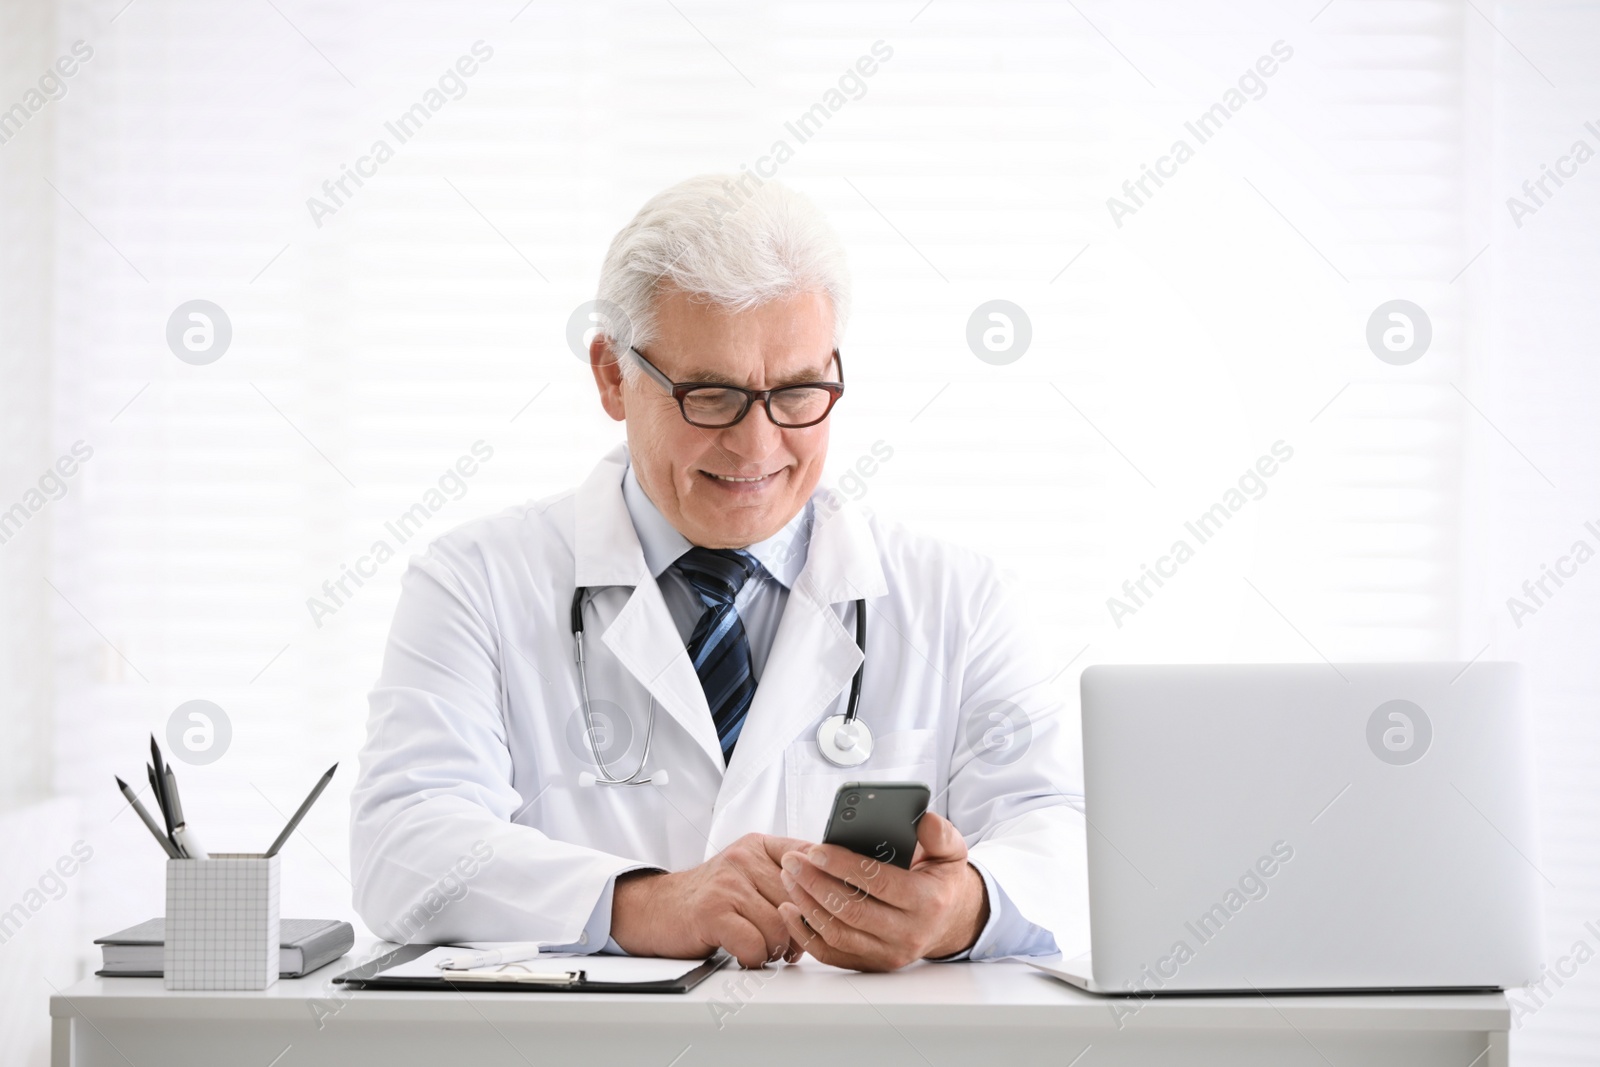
718,648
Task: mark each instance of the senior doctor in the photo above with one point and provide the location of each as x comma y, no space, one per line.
717,589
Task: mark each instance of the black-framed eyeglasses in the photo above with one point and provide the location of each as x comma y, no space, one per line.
716,407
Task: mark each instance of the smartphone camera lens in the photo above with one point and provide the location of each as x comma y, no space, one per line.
847,814
853,799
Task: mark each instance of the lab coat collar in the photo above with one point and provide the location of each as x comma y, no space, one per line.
605,548
783,555
842,557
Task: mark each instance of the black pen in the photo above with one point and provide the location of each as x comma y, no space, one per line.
161,803
158,778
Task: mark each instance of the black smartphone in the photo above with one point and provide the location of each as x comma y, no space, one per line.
878,819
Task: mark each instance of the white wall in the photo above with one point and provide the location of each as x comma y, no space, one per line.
26,299
1542,480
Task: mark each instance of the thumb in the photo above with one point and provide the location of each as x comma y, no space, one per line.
776,846
938,841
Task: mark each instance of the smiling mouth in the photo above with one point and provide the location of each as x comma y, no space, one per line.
732,480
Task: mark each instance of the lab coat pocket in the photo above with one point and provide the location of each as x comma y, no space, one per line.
811,781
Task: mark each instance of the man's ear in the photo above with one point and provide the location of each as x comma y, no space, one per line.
608,376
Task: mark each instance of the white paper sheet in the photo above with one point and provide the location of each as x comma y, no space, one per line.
596,968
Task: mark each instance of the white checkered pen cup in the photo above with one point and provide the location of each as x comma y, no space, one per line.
222,922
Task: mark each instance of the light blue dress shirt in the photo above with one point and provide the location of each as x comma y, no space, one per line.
760,604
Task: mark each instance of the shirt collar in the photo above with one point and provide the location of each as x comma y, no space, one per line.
783,555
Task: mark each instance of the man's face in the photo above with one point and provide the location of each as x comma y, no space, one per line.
732,487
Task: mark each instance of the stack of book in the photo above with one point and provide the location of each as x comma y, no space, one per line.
305,945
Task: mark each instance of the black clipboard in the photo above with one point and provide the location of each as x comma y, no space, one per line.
366,976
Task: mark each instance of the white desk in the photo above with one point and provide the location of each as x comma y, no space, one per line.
931,1014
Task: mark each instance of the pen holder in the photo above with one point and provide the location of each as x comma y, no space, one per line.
222,922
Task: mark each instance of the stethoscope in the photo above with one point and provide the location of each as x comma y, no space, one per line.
844,740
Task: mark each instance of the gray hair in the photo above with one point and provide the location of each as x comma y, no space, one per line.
716,240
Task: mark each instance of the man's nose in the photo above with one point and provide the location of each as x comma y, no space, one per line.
754,436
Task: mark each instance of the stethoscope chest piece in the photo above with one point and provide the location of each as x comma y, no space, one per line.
844,740
844,744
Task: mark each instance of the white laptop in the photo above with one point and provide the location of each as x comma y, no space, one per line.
1308,827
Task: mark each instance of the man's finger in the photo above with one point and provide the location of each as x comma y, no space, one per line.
834,930
826,953
765,918
777,846
938,841
883,881
815,947
764,876
801,937
759,865
855,905
746,942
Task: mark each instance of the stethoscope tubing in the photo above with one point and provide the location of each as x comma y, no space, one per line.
855,682
605,776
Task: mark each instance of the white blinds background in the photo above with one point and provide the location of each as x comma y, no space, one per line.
26,246
1541,385
1226,314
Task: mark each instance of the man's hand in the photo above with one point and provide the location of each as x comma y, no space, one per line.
730,901
852,911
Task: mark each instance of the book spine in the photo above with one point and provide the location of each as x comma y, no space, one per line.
325,946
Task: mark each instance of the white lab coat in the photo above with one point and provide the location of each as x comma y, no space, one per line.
475,741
